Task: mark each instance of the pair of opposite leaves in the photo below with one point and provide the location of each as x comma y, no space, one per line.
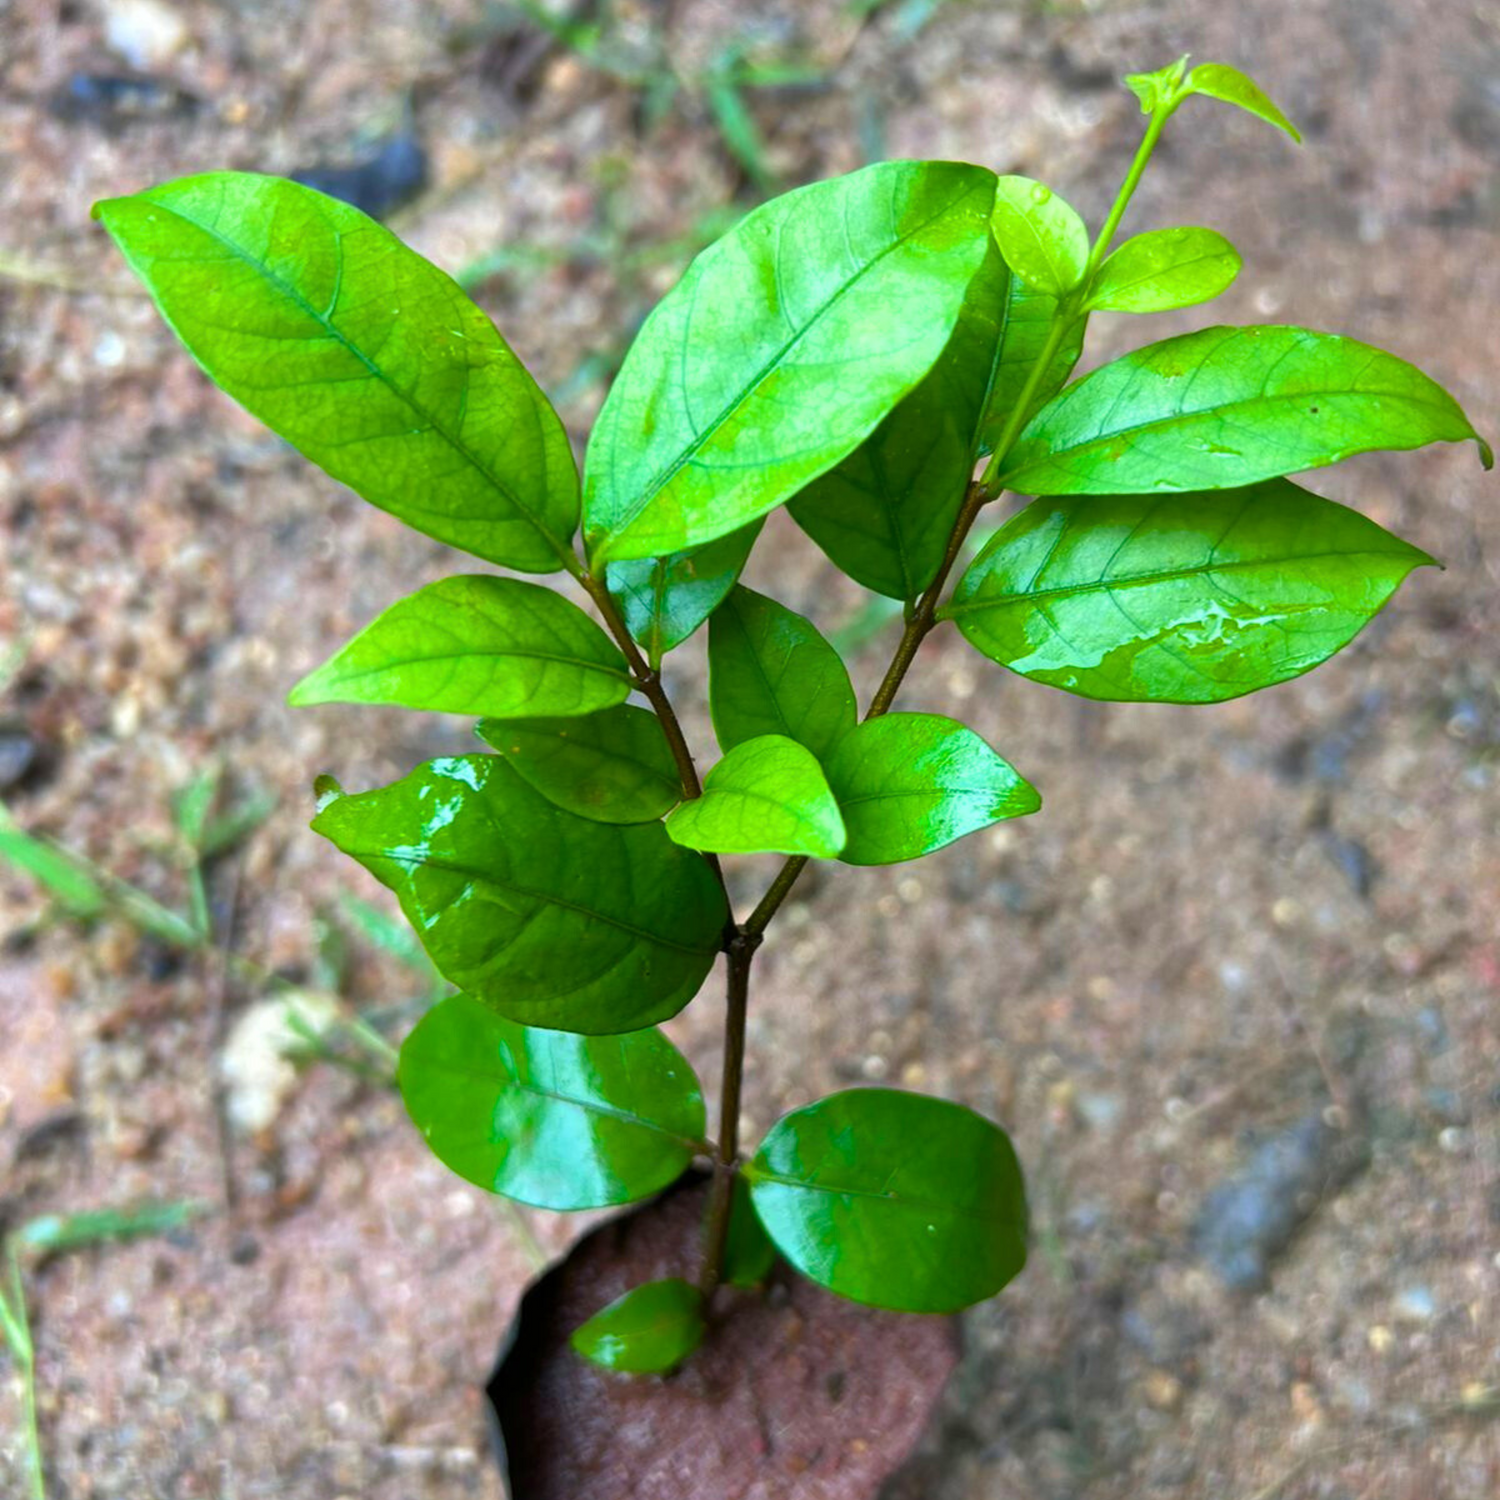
892,1198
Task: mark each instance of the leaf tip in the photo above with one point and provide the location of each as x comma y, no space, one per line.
1486,454
326,791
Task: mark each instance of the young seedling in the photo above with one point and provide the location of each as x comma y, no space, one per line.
858,350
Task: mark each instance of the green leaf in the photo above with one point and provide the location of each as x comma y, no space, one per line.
548,918
476,644
1220,81
748,1251
362,355
910,783
1179,598
613,767
885,513
665,599
1163,269
767,796
1026,323
1041,237
1225,407
726,405
770,672
893,1199
546,1117
70,879
648,1331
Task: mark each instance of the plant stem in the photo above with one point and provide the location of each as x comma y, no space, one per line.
648,679
721,1190
746,936
1159,117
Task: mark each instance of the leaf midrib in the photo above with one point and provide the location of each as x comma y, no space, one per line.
591,1106
472,873
506,654
1114,434
1133,580
902,1200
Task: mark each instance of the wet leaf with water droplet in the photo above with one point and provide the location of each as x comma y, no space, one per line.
1192,598
1041,237
893,1199
548,918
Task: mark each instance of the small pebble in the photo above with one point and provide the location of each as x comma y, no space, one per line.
146,33
1416,1304
1162,1391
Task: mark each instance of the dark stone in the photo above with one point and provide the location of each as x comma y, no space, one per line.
378,185
1246,1222
110,101
19,756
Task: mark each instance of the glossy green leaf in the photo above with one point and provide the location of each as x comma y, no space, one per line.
546,1117
780,350
1163,269
749,1254
648,1331
1040,235
1178,598
767,796
770,672
476,644
910,783
665,599
885,513
1226,407
613,767
1024,330
893,1199
362,355
548,918
1220,81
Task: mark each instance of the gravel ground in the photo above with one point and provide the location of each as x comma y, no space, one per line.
1245,957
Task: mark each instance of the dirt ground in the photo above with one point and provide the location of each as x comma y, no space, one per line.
1278,915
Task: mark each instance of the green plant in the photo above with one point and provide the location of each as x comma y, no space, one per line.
855,350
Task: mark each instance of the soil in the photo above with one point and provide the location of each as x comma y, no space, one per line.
793,1391
1224,924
